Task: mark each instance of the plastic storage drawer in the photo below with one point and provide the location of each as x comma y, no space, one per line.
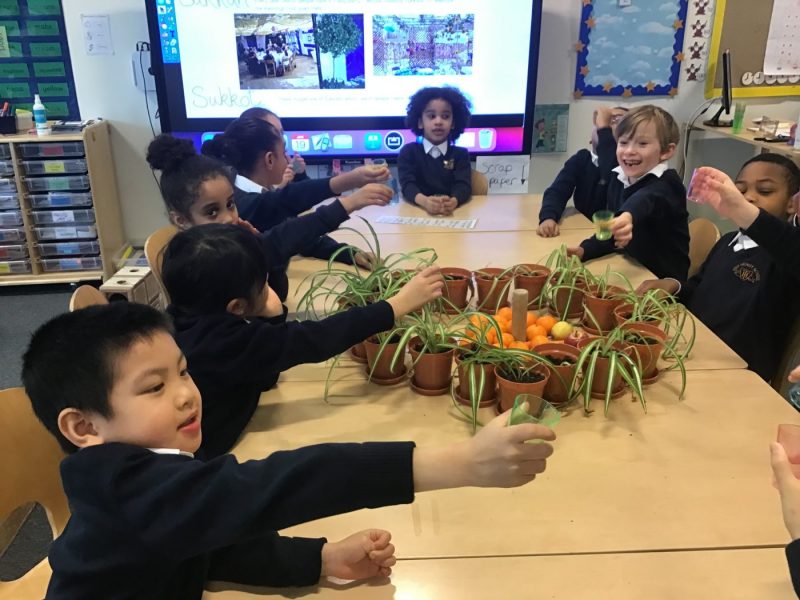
60,199
76,232
10,218
12,267
6,168
12,235
8,186
5,151
56,217
53,167
9,202
13,252
48,184
72,264
69,248
52,150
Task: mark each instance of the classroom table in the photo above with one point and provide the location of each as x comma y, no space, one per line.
499,212
689,474
732,574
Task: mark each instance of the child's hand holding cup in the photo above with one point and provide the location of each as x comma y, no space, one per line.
603,220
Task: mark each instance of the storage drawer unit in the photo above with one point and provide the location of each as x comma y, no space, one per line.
9,202
13,267
53,167
52,149
56,217
13,252
72,264
10,218
54,184
76,232
60,199
12,235
68,248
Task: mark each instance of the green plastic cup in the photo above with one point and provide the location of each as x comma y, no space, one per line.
602,224
738,117
532,409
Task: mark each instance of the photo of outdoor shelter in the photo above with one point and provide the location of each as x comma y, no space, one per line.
313,51
423,44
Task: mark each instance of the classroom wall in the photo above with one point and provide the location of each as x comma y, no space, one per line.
105,88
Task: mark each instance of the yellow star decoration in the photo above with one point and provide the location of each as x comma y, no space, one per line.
579,46
577,94
584,70
678,24
607,86
590,22
673,91
679,56
650,86
627,93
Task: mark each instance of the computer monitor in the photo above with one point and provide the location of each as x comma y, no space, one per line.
727,94
339,73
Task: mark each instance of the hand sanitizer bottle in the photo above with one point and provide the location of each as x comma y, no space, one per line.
40,116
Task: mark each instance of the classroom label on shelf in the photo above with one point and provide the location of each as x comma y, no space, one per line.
15,90
41,8
57,109
56,166
43,28
11,27
66,233
506,174
53,89
19,70
9,8
42,49
49,69
62,216
5,268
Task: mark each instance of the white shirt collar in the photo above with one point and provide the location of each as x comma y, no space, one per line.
742,241
658,171
247,185
595,159
171,451
427,146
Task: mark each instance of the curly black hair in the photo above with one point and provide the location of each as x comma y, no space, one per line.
458,102
791,169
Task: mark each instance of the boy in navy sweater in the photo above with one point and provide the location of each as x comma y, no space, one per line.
746,290
585,175
150,522
234,332
436,174
647,197
197,189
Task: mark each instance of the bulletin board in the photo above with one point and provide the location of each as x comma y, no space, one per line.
633,50
742,26
34,57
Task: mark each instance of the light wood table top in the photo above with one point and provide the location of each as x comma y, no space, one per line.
689,474
729,574
500,212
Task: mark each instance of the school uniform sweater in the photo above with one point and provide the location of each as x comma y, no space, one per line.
233,360
582,180
286,239
148,526
748,298
420,173
793,558
660,224
269,208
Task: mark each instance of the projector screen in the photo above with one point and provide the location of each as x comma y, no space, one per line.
339,73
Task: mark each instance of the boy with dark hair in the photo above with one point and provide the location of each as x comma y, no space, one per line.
149,521
647,197
436,174
585,175
746,290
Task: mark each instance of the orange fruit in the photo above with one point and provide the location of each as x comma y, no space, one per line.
504,313
505,326
491,336
547,321
534,330
531,319
519,345
508,339
539,340
479,321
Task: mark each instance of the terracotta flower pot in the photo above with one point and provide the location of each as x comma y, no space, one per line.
532,278
492,288
599,312
647,355
487,398
508,390
557,390
568,302
458,286
379,366
432,372
601,373
358,353
623,312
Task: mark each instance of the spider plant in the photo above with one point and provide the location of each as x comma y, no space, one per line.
566,286
602,297
337,288
613,352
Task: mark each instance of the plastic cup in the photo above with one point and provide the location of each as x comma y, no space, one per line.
789,438
533,409
297,166
602,224
738,117
794,395
378,164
